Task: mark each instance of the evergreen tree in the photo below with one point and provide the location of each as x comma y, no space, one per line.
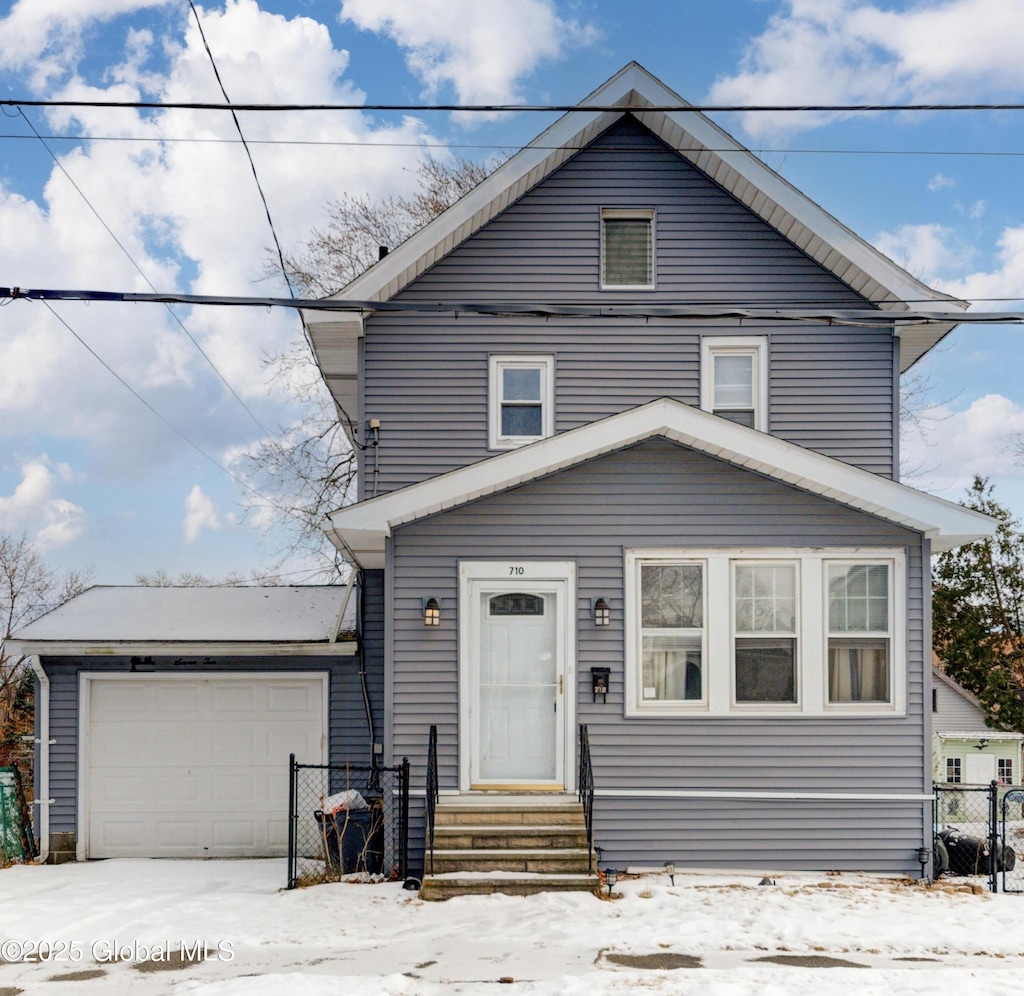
978,613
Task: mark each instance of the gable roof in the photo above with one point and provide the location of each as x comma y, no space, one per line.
360,530
697,139
117,619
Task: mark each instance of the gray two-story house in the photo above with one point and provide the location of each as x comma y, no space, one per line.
628,428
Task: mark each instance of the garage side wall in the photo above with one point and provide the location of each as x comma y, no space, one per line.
349,735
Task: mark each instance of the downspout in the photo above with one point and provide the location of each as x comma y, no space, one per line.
43,742
360,643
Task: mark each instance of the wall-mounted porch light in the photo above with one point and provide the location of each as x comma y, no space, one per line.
431,612
601,612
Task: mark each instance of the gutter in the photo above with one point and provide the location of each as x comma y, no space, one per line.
43,742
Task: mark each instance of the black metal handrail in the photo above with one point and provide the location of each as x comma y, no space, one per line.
585,790
432,792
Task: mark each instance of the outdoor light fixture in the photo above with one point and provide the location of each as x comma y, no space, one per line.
980,745
670,870
611,876
601,612
923,854
431,612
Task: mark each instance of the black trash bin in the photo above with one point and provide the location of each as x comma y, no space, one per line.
353,840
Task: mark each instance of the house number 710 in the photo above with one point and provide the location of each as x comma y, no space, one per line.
516,570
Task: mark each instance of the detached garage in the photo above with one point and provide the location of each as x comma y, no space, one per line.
165,716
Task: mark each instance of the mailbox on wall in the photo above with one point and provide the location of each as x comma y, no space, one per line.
599,682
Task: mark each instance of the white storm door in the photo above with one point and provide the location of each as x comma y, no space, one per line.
980,769
517,691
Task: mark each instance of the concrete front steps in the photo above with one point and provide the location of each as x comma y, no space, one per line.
515,844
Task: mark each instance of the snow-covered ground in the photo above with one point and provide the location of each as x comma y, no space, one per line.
107,926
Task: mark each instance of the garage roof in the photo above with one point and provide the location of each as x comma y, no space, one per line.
115,616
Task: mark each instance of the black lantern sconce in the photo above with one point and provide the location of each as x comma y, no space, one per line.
599,682
431,612
601,611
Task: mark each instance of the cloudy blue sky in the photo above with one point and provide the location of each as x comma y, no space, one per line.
127,200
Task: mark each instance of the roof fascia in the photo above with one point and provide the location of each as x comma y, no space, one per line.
364,527
116,648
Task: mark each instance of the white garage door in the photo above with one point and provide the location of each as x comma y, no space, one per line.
195,766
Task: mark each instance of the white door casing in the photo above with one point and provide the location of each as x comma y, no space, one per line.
193,764
517,675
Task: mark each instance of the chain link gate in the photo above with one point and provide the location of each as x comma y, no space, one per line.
1012,812
347,819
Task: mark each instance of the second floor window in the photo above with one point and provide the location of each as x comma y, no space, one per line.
734,383
521,400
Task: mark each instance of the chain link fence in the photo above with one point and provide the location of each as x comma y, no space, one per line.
1011,811
347,821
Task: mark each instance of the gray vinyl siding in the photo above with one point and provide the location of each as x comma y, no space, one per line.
955,714
657,494
425,376
348,735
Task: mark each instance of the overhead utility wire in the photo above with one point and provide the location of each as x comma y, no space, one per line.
194,105
131,259
836,316
245,145
492,147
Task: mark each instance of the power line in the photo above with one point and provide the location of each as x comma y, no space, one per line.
868,317
513,108
142,273
248,153
492,147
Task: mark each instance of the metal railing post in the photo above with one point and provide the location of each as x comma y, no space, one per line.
993,835
403,830
292,817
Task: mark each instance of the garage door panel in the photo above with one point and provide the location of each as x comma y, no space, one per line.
206,777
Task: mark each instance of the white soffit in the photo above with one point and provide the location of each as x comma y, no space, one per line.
360,530
699,140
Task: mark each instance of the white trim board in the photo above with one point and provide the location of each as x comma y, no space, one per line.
707,147
361,530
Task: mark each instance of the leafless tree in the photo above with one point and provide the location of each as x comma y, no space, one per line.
309,469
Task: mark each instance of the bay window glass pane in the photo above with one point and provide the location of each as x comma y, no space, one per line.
520,384
672,596
733,380
522,420
627,252
672,668
765,598
858,598
765,670
858,670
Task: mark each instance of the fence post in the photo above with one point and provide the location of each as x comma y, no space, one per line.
403,831
292,812
993,844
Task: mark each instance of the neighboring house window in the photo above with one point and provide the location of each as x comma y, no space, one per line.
734,379
521,400
765,612
859,621
627,249
672,632
953,773
742,632
1004,771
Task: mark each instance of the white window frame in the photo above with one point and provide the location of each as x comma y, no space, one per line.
498,363
647,214
954,766
747,345
1004,762
718,657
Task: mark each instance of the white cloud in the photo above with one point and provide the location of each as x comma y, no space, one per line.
482,50
939,181
960,444
34,508
1005,281
929,251
846,51
200,514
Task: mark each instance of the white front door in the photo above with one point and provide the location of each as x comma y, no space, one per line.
516,668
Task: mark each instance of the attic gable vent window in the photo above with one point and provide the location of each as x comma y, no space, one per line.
627,249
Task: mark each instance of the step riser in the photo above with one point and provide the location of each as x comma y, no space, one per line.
546,866
435,891
452,839
478,816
